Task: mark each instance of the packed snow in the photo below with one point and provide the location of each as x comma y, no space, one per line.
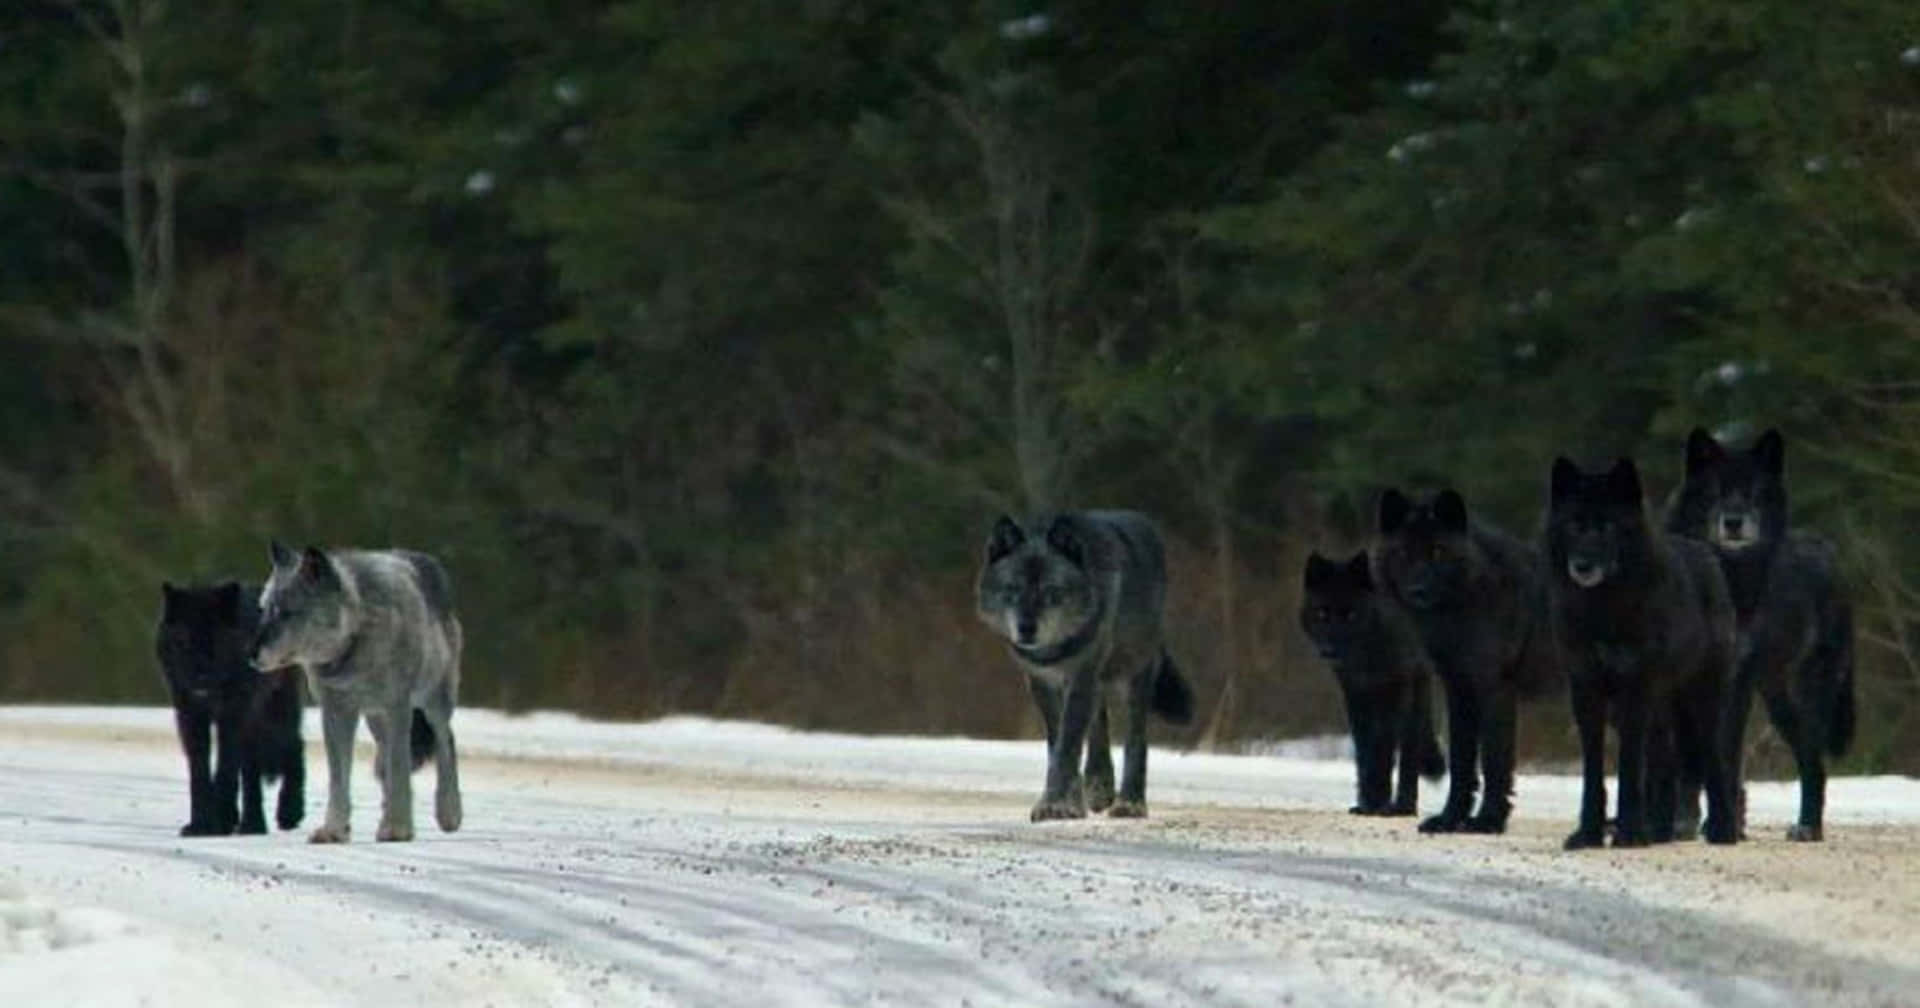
689,861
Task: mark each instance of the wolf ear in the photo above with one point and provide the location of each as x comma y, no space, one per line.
168,595
1065,541
1319,570
1703,451
1004,539
1624,480
1360,571
1451,510
1394,508
315,565
1566,478
1771,452
281,556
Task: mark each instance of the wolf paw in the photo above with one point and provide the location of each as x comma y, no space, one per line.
1401,808
393,833
288,816
1687,829
252,825
201,827
1630,837
330,834
1099,793
1127,808
1073,807
1802,833
1717,832
1485,823
1583,838
446,812
1445,822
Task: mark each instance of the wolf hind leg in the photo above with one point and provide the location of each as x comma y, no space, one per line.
1795,727
1099,766
438,712
338,721
1132,803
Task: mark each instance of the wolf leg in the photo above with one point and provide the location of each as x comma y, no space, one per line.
1630,816
1099,774
1795,726
227,756
1409,731
1590,717
1463,757
446,786
292,804
1497,739
1731,744
1064,797
395,755
1360,728
1133,774
1663,775
338,720
195,728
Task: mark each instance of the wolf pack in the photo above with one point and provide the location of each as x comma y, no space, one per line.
1662,629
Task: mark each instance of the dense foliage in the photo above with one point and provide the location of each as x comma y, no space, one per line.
703,341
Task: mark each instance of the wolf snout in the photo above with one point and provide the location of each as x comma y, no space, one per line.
1026,629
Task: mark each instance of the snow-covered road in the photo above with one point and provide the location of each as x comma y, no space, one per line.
700,863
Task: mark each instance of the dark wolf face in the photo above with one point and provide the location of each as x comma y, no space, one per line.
1336,610
1426,552
203,637
306,611
1034,589
1735,500
1596,523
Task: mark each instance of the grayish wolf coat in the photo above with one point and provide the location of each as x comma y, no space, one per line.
1078,596
376,634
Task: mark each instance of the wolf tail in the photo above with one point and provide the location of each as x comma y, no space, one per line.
1172,697
1840,729
422,741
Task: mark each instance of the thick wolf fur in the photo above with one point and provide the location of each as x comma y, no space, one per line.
1795,619
253,719
1385,677
1078,597
1648,627
1477,598
376,634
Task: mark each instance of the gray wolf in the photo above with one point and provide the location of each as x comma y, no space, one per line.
1648,628
1078,597
1385,677
376,635
251,721
1477,597
1794,616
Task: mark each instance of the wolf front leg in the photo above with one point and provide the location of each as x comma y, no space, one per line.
1463,753
195,730
1590,717
1099,773
339,718
396,772
1064,797
1634,721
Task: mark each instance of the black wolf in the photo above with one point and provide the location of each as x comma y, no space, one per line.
1385,677
1794,617
1476,596
1078,596
1647,626
253,719
376,634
